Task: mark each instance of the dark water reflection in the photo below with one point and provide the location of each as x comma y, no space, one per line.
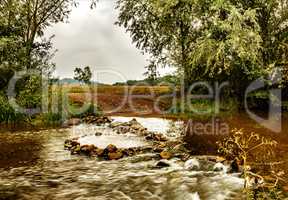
27,148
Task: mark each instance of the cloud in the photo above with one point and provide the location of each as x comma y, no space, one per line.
91,39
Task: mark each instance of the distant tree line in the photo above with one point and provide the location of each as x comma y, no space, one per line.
165,80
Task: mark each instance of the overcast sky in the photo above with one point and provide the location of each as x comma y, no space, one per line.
91,38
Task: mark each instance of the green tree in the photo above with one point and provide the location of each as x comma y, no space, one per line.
26,20
22,21
161,28
22,45
151,73
83,75
234,40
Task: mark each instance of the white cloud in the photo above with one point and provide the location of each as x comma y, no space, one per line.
91,38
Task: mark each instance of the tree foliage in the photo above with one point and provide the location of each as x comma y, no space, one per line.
23,46
83,75
235,40
151,73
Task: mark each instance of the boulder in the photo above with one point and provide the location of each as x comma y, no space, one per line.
155,137
166,155
220,167
97,120
136,125
87,149
129,151
98,134
75,150
192,164
115,156
103,120
99,152
67,144
220,159
74,143
234,166
111,148
149,137
162,164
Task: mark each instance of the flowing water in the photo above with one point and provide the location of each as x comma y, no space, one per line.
34,165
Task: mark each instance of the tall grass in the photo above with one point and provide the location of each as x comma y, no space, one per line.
61,107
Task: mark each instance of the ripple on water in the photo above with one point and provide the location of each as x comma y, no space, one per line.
130,178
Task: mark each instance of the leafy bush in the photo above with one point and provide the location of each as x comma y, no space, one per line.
30,94
8,113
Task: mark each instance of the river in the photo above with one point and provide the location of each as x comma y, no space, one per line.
34,165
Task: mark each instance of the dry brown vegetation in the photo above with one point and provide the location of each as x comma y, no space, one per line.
128,100
119,90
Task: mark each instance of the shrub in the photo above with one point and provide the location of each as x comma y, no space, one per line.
253,150
51,119
261,194
30,94
7,113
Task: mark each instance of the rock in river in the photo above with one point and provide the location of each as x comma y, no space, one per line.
162,164
97,120
75,150
98,134
192,164
132,126
166,155
111,148
234,166
219,167
87,149
116,155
